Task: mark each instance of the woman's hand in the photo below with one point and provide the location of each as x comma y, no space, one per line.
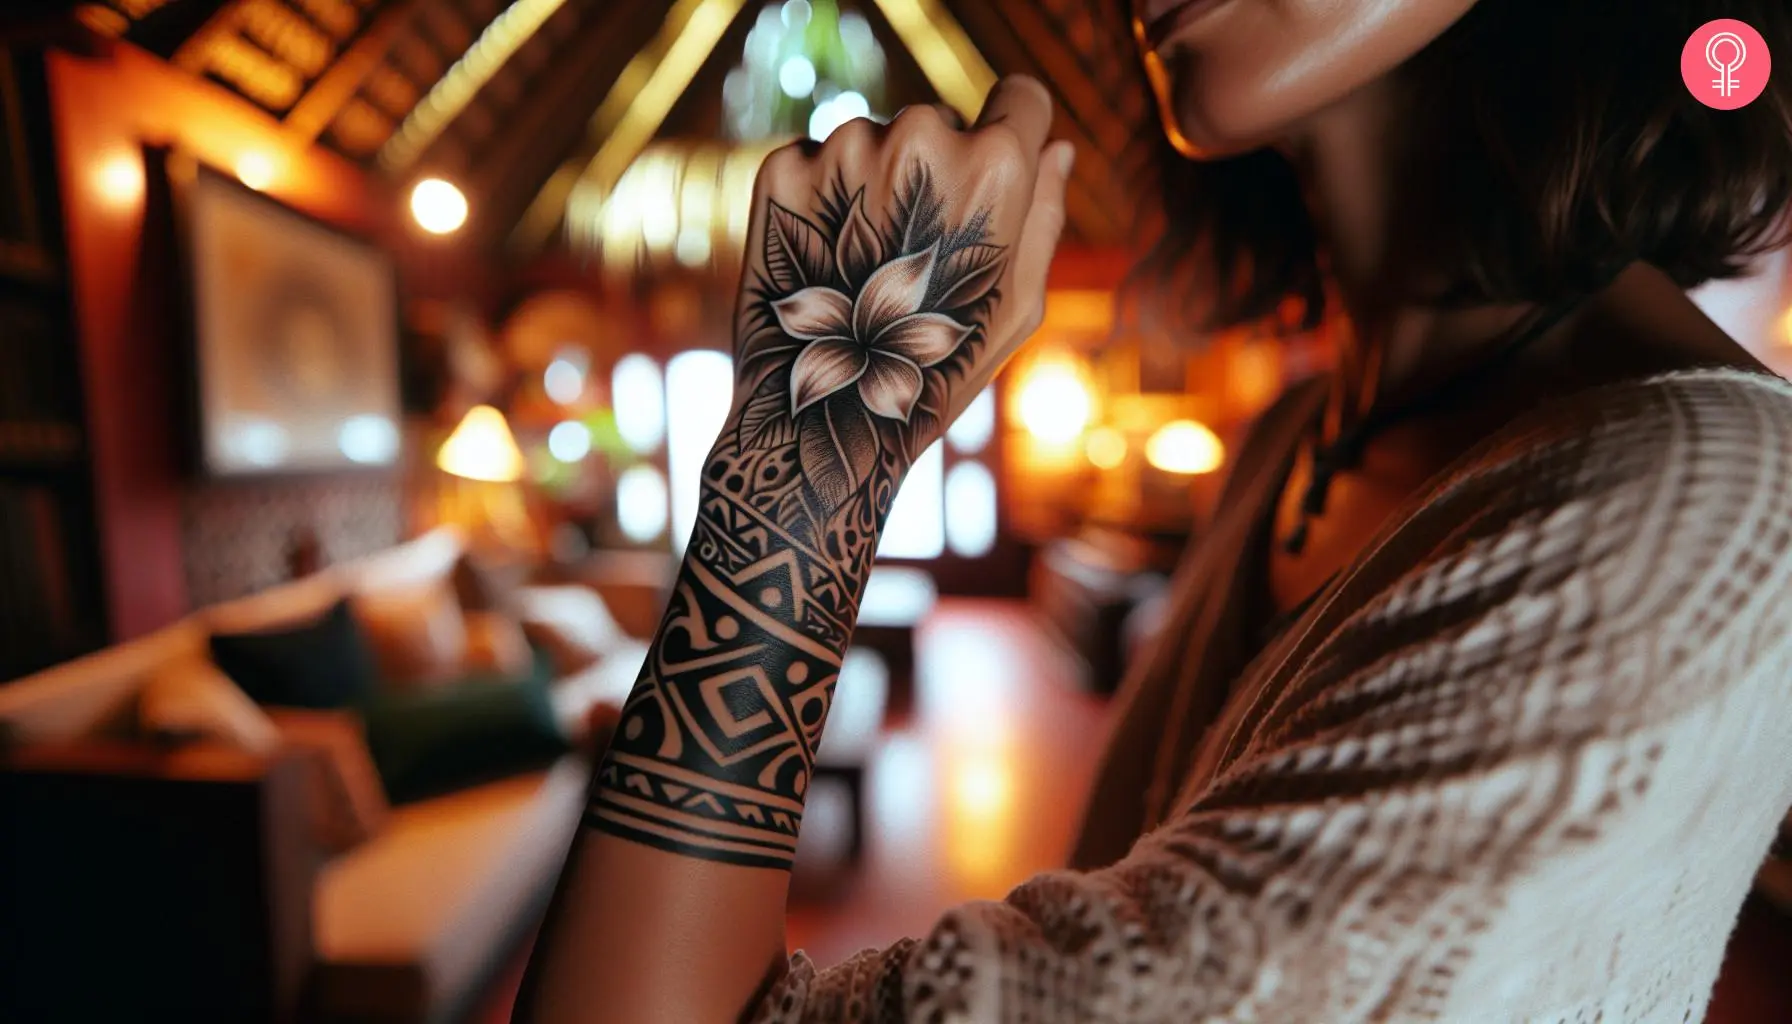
890,274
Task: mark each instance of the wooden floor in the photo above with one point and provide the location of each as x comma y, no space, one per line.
981,787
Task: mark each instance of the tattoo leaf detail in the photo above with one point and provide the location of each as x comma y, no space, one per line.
853,330
856,306
796,253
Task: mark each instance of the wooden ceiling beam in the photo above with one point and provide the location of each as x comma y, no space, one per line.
630,114
515,162
1096,203
496,43
954,66
1062,66
331,92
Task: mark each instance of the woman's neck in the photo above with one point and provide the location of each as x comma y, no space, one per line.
1356,165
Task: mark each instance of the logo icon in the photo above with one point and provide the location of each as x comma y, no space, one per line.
1726,64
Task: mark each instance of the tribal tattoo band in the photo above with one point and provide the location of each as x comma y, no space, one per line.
854,331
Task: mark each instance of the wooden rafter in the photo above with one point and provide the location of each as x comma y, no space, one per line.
327,96
634,109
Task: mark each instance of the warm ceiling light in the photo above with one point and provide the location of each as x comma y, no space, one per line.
255,170
439,207
119,178
1105,447
482,448
1054,403
1185,447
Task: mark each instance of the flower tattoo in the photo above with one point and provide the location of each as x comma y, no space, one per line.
880,340
855,327
854,330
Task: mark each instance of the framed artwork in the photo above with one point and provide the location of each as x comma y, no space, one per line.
295,337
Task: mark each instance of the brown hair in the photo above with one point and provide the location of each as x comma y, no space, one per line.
1562,132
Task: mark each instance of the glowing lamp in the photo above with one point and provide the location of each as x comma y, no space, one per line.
1054,404
482,448
255,170
1786,329
1185,447
1105,447
438,207
119,179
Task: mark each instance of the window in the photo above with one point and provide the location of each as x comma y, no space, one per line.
948,504
916,528
949,501
699,391
970,498
639,392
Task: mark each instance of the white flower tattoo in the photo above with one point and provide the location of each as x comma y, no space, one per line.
880,340
853,329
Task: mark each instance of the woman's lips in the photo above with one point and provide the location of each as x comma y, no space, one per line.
1164,19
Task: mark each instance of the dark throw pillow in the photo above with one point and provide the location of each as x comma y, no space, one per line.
481,587
325,663
456,735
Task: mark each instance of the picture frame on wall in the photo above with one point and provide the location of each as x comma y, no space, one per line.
293,333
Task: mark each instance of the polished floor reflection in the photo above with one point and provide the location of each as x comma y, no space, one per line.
977,790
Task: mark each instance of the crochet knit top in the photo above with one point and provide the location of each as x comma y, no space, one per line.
1518,762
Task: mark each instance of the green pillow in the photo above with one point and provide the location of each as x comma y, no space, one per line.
478,729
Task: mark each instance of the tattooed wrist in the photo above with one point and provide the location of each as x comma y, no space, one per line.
853,331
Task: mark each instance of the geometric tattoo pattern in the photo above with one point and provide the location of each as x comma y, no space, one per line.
853,330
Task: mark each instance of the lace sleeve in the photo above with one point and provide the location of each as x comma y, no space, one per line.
1524,682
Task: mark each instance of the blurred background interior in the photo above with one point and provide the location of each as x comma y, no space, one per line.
356,361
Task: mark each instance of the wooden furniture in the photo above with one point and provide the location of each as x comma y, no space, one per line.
189,881
895,602
1087,598
52,603
850,741
138,879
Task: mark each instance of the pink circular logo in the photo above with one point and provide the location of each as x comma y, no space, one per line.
1726,64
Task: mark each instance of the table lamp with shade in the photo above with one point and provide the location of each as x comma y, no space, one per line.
487,499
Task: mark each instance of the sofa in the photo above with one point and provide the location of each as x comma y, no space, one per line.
150,878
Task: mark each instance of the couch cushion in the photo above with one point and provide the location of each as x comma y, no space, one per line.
190,698
571,622
94,695
288,604
322,663
347,803
482,586
418,634
407,924
428,558
496,645
448,737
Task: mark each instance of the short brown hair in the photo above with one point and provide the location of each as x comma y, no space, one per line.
1560,128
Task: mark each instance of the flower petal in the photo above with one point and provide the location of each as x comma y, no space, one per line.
858,250
823,368
892,292
891,385
925,338
814,313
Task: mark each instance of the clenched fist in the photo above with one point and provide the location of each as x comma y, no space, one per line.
890,273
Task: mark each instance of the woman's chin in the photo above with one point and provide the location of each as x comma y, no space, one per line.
1204,130
1203,140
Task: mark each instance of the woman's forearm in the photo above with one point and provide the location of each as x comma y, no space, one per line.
868,317
675,893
